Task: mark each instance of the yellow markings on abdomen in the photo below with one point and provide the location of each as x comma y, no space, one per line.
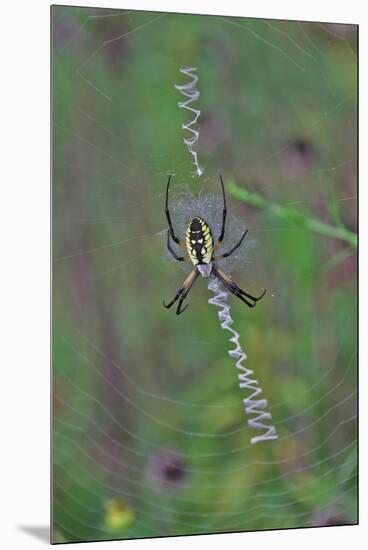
199,241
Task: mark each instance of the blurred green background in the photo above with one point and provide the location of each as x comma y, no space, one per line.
149,433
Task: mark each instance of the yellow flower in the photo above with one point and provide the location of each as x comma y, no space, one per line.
118,515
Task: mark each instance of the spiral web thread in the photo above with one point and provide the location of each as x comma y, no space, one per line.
190,91
110,448
252,406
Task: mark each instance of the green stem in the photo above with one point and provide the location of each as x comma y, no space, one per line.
293,215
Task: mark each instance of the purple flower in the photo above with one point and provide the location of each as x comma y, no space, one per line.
166,470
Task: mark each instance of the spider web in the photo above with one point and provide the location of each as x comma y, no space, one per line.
147,412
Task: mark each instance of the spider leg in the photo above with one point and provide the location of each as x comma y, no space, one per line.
179,309
226,254
170,249
239,290
167,212
183,291
224,212
234,289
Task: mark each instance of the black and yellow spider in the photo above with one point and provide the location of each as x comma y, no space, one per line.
200,247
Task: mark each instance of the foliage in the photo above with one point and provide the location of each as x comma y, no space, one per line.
150,436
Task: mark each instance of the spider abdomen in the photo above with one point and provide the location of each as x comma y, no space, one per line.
199,241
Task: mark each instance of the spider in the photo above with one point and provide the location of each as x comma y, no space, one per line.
200,247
